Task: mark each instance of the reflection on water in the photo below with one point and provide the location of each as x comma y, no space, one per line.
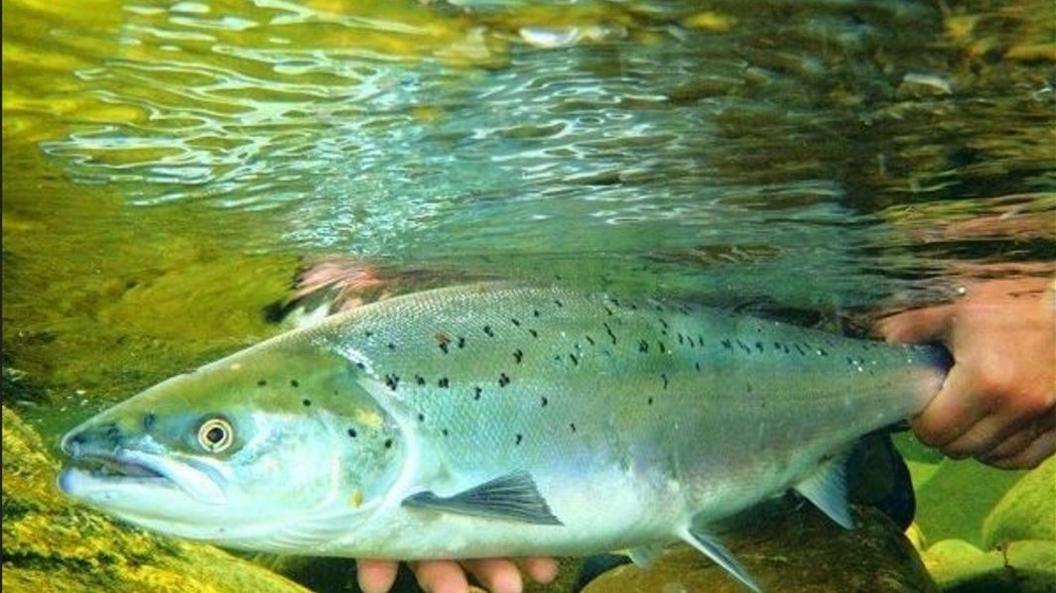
166,163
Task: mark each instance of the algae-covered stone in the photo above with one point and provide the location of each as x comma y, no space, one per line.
800,552
51,546
1027,511
1027,566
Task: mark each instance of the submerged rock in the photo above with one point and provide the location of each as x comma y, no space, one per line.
1027,511
792,552
1026,566
50,545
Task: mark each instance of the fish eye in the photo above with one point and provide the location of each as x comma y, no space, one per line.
215,435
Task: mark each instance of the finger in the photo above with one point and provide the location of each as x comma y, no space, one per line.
952,413
440,576
540,569
1041,449
376,576
985,436
1010,447
919,325
498,575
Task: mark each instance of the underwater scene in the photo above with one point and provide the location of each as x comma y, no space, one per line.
589,295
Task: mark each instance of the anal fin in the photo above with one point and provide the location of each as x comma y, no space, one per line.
512,497
713,549
827,489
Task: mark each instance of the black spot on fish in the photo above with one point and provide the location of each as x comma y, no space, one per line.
664,323
700,341
487,330
352,432
759,346
392,346
800,349
663,349
850,360
572,426
421,417
680,338
727,345
503,380
476,392
545,401
777,345
557,357
822,352
650,401
534,333
572,357
443,346
444,432
744,347
518,356
590,340
535,313
461,342
749,387
607,310
261,383
664,377
697,364
368,333
608,330
443,382
420,380
515,322
361,366
558,303
388,443
519,439
294,383
392,381
615,301
643,346
306,402
148,421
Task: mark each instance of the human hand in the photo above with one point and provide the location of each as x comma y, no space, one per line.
498,575
998,403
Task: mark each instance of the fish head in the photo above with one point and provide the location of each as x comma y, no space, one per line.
264,450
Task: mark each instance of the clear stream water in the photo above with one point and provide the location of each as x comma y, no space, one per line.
167,164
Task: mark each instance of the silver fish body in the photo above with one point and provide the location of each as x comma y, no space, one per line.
627,423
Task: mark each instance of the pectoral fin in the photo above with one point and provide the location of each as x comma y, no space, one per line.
645,556
827,489
513,497
720,555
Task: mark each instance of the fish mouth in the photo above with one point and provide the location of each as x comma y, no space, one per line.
103,468
92,472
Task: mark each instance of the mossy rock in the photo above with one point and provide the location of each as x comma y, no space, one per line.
52,546
1027,566
1027,511
800,552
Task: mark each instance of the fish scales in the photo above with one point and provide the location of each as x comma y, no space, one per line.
628,419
